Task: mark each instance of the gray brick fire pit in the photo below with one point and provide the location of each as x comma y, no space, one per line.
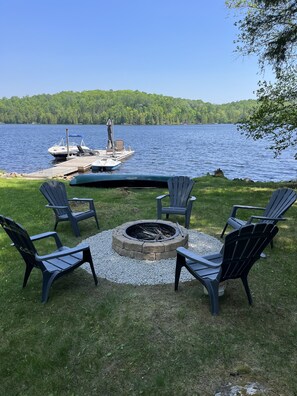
149,239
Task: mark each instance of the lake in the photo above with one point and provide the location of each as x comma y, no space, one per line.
192,150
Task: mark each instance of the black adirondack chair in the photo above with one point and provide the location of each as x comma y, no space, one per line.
55,193
242,248
53,265
84,151
180,201
279,203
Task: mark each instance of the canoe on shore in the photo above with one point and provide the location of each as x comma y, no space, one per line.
119,180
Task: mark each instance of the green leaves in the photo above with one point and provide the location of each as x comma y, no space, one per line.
269,30
276,116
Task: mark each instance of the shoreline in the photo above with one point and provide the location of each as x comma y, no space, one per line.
15,175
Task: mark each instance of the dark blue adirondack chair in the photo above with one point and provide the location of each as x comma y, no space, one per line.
54,265
85,151
180,201
242,248
279,203
55,193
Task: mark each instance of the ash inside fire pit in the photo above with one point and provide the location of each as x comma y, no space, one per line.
151,232
149,239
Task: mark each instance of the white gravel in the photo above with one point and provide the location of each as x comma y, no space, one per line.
110,265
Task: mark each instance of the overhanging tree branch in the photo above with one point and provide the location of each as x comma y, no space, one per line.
268,29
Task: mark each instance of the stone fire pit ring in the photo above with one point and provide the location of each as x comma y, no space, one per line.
125,244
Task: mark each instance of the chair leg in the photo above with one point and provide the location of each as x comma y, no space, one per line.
213,292
74,225
187,220
159,209
180,262
97,222
223,232
27,274
88,258
94,273
46,284
247,289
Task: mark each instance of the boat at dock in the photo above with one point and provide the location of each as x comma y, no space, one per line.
119,180
78,163
105,164
62,150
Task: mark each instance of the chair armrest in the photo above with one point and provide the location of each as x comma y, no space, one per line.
90,201
160,204
235,207
195,257
56,207
47,235
65,251
81,199
190,203
162,196
265,218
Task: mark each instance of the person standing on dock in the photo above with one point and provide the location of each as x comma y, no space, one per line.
109,132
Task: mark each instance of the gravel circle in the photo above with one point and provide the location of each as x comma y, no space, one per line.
110,265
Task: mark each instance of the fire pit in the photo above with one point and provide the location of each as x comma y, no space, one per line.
149,239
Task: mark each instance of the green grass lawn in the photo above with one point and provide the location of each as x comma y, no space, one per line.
145,340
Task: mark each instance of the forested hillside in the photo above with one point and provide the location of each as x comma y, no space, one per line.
130,107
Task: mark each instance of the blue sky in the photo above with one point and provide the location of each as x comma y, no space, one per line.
170,47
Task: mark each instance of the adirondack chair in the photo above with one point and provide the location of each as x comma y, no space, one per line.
279,203
119,145
181,202
55,193
53,265
242,248
84,151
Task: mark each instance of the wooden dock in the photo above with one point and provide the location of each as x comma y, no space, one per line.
77,164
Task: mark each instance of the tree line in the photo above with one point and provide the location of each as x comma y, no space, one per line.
124,107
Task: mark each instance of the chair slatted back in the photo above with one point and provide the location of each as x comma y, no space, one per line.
243,248
55,193
180,188
280,202
20,239
119,145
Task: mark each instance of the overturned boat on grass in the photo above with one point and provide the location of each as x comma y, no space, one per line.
119,180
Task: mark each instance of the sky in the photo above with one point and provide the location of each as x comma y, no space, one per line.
179,48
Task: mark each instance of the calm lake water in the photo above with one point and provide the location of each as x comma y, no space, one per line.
192,150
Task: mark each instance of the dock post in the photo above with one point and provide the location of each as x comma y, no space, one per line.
67,143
